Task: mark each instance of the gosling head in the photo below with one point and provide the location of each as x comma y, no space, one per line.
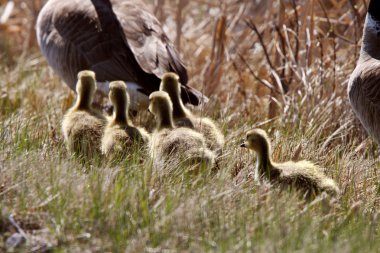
118,93
257,140
162,108
86,87
170,84
119,98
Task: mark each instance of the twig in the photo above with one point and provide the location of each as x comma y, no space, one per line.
181,6
14,223
333,35
250,24
263,82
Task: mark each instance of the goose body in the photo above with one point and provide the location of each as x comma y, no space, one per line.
175,144
185,118
82,126
364,83
117,39
303,175
120,136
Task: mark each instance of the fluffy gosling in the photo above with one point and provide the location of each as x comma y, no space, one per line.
304,175
175,144
120,135
184,117
83,126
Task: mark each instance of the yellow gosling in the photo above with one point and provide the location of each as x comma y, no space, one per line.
303,175
83,126
120,136
169,143
184,117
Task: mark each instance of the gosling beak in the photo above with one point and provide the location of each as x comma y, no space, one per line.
242,144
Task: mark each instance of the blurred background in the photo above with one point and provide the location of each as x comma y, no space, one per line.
259,58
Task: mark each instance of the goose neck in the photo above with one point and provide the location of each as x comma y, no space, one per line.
374,9
83,102
371,36
179,110
264,165
120,115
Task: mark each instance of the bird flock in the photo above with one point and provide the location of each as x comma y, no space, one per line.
179,137
122,40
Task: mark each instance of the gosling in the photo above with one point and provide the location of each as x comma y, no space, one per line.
183,117
175,144
120,136
303,175
82,126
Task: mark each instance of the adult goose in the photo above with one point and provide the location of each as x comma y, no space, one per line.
364,83
117,39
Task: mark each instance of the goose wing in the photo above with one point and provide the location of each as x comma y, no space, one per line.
151,47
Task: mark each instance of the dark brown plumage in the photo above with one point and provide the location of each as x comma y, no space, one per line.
117,39
363,87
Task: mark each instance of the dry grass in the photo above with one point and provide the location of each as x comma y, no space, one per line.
281,65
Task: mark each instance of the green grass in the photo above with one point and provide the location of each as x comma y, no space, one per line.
130,206
66,204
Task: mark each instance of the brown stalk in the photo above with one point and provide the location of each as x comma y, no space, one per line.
214,69
181,5
333,35
296,16
251,25
310,36
159,10
357,20
282,53
263,82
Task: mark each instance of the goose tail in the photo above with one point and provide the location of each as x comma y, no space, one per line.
192,96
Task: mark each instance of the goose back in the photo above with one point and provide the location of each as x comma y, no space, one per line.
117,39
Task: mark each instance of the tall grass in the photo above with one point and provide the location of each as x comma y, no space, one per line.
279,65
